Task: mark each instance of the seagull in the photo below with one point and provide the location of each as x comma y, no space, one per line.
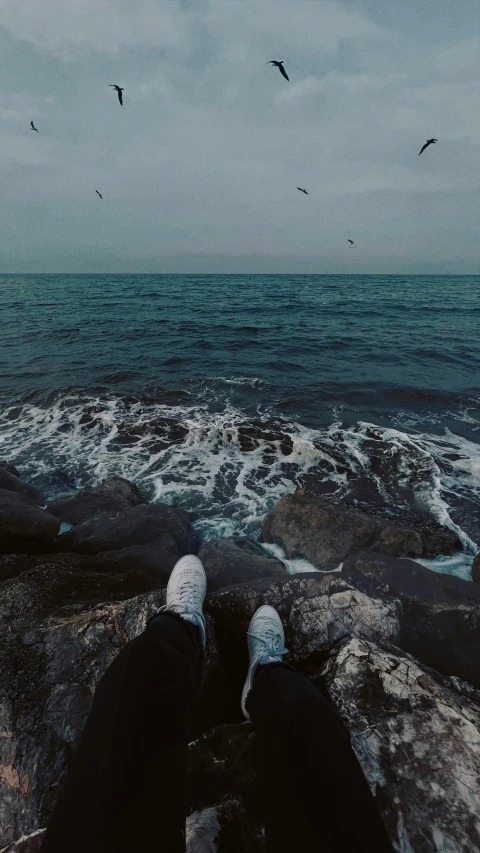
279,64
101,196
302,191
428,142
119,91
352,244
33,126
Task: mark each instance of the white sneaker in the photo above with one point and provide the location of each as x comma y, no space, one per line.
186,590
266,642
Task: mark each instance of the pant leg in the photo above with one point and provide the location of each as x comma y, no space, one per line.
317,798
126,787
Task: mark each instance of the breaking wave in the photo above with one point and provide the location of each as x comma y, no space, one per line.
228,469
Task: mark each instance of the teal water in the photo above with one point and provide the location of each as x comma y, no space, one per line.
222,392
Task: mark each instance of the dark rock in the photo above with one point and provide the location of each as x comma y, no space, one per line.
9,468
476,569
26,844
114,495
134,526
156,559
41,586
416,733
10,480
441,613
48,673
326,533
418,741
317,612
236,560
24,527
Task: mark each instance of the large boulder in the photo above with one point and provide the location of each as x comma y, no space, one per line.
417,737
325,533
156,559
10,480
24,527
114,495
237,560
36,587
415,731
317,612
26,844
440,621
136,525
48,673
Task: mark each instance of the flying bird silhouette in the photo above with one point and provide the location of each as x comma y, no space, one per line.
33,127
428,142
352,244
302,190
101,196
119,91
279,64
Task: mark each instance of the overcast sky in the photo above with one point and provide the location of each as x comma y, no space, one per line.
199,168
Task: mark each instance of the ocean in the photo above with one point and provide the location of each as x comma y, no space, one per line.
221,393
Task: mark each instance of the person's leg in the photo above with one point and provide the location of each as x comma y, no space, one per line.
126,787
317,798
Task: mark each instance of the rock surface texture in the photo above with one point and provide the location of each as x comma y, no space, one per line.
24,527
325,533
235,560
395,646
114,495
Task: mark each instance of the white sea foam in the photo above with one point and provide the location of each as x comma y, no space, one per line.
293,567
228,469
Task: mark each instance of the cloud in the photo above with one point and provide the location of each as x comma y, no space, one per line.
211,143
101,25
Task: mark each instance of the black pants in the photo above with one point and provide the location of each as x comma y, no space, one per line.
126,787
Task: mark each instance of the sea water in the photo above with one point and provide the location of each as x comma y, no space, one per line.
222,393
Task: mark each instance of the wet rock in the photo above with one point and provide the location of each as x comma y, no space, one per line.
114,495
26,844
48,673
417,738
326,533
440,621
134,526
476,569
10,480
41,586
24,527
237,560
155,559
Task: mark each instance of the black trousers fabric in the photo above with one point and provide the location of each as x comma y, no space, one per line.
126,787
317,798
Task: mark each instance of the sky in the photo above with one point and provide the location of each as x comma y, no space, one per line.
199,168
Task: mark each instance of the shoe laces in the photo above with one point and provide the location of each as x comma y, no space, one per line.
186,595
271,641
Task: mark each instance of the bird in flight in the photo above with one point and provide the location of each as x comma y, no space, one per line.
33,126
279,64
119,91
101,196
352,244
302,190
428,142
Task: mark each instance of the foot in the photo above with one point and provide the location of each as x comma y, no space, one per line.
266,642
186,590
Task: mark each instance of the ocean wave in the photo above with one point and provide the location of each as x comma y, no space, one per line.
228,469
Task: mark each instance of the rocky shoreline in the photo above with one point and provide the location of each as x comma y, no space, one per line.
395,646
